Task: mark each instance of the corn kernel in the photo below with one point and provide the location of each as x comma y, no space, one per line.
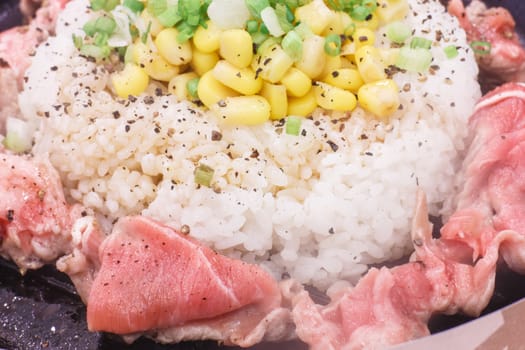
236,47
242,110
380,98
276,97
370,64
203,62
341,24
334,98
132,80
153,63
345,78
296,82
364,36
211,91
207,39
316,15
273,63
173,51
178,85
242,80
391,10
332,63
302,106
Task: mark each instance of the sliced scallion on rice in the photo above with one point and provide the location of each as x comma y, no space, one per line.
332,45
203,175
192,86
451,51
414,59
397,32
293,125
292,44
418,42
134,5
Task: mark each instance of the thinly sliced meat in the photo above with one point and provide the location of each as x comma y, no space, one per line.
153,278
35,220
390,306
506,60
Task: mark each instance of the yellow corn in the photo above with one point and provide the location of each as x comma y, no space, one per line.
153,63
347,63
316,15
334,98
345,78
203,62
207,39
341,24
132,80
210,90
332,63
296,82
273,63
276,97
154,25
242,80
380,98
302,106
236,47
173,51
177,85
370,64
364,36
313,58
242,110
389,56
391,10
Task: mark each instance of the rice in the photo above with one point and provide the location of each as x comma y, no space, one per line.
319,207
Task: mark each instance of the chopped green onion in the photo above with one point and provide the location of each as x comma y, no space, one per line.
360,13
292,44
134,5
95,51
451,51
418,42
78,41
414,60
156,7
186,31
258,38
144,36
169,17
265,45
293,125
397,32
256,6
106,5
264,29
332,45
192,86
303,30
100,39
271,21
102,24
282,11
252,26
481,47
90,28
203,175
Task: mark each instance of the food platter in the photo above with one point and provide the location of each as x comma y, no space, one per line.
42,309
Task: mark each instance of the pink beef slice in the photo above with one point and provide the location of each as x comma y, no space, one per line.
154,278
35,219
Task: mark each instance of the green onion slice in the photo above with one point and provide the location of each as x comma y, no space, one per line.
292,44
332,45
414,59
203,175
451,51
256,6
293,125
418,42
481,47
134,5
192,86
397,32
252,26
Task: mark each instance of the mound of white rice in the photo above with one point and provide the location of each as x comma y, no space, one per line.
320,206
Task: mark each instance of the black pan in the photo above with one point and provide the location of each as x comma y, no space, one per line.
41,310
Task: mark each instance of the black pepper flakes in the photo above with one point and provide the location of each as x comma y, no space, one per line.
216,135
332,145
10,215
